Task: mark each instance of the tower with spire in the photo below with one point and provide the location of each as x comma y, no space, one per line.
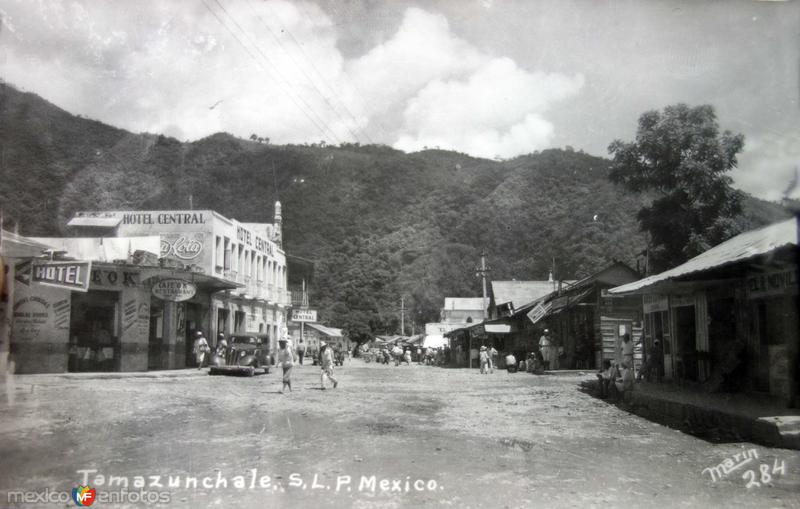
277,235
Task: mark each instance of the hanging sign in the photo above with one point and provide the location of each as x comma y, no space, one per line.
538,312
304,315
69,275
175,290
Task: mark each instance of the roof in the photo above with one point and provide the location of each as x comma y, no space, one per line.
95,221
740,248
328,331
615,274
13,245
520,293
463,303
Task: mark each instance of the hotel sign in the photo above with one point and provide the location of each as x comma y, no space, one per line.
69,275
304,315
175,290
768,284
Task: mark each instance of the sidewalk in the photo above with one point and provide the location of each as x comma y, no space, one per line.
720,417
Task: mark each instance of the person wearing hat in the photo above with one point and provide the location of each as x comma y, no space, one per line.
546,347
200,349
222,345
326,361
484,360
285,361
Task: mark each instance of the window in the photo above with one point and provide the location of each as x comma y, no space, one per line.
227,254
219,254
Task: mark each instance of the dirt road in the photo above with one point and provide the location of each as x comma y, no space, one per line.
408,436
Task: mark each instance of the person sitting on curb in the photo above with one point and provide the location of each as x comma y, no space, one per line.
604,379
624,380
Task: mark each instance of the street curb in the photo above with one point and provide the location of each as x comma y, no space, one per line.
773,431
184,373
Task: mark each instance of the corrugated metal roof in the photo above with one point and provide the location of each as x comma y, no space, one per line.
741,247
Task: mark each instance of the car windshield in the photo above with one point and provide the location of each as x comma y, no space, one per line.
247,340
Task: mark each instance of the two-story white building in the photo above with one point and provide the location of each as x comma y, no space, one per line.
215,253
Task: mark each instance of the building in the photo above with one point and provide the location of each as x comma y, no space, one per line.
90,314
728,318
241,269
463,309
314,333
506,296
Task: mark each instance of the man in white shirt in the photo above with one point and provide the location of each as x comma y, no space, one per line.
326,360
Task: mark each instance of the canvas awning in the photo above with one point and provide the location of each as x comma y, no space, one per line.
328,331
497,328
434,341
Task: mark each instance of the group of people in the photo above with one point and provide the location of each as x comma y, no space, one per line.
488,359
286,359
616,379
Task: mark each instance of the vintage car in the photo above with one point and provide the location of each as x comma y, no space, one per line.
245,354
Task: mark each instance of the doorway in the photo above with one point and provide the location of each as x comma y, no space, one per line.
94,332
685,338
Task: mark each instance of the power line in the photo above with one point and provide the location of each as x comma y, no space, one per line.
311,63
269,62
321,126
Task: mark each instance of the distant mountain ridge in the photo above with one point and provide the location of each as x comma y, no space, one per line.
379,223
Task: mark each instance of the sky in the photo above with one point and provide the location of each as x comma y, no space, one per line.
491,78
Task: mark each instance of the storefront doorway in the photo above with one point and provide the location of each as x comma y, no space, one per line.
94,332
156,337
685,334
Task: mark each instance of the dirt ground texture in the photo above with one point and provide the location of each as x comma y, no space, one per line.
468,440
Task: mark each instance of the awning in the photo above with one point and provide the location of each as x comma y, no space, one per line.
739,248
328,331
95,222
497,328
434,341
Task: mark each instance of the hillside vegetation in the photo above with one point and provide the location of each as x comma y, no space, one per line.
379,223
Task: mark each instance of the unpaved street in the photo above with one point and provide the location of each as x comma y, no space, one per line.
430,436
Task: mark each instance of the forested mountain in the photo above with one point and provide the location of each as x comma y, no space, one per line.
379,223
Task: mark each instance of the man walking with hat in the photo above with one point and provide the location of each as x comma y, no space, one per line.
286,361
326,361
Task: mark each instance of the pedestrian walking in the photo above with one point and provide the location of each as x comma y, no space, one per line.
419,355
407,356
200,349
484,360
326,360
301,351
492,359
285,361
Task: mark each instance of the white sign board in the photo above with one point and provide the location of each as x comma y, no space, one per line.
304,315
175,290
538,312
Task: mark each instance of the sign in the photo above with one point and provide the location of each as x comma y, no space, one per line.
538,312
767,284
304,315
653,303
69,275
682,300
175,290
183,247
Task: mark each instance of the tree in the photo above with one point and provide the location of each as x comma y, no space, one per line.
681,159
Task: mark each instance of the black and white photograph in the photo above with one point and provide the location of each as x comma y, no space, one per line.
384,254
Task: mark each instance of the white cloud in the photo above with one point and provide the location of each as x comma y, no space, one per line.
497,110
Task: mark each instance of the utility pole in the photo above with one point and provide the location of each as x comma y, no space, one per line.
482,272
402,316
